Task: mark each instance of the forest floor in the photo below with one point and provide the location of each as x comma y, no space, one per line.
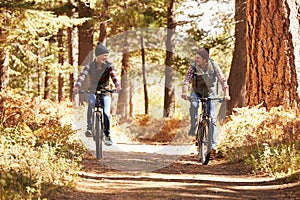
184,178
167,173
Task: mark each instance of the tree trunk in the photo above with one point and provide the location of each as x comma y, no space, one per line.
4,76
103,24
60,87
47,83
70,38
85,44
237,75
61,62
131,92
294,6
146,103
271,77
71,62
123,101
169,98
85,36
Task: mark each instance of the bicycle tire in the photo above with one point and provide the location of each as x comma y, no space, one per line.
97,135
203,151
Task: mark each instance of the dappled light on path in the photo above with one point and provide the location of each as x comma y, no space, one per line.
183,179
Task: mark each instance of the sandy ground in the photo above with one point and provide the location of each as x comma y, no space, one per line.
127,175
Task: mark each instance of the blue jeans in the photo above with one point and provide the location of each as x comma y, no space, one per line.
194,107
105,101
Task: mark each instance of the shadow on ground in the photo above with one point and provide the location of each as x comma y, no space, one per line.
185,178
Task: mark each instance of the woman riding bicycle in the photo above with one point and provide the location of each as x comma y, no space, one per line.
204,75
99,72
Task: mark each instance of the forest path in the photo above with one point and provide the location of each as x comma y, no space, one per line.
141,175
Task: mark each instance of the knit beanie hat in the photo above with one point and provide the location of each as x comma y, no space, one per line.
100,49
203,53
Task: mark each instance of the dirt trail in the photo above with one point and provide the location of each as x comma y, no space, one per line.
184,178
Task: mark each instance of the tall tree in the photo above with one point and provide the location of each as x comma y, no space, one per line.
271,77
70,44
70,60
123,101
146,104
85,33
47,82
85,41
169,98
61,62
4,75
103,23
237,75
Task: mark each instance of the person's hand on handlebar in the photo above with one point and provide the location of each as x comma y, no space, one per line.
227,98
184,96
75,90
118,88
184,91
226,95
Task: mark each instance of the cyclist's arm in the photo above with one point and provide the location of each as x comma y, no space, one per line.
113,76
81,78
187,81
222,80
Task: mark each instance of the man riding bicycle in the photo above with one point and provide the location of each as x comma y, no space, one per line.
204,75
99,71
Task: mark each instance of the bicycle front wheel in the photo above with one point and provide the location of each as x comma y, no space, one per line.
98,135
202,138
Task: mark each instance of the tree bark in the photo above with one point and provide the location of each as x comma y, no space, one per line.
294,6
169,98
146,103
85,43
47,83
71,61
237,75
4,76
61,62
70,52
271,77
85,36
103,24
123,109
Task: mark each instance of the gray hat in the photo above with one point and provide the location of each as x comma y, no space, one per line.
203,53
100,49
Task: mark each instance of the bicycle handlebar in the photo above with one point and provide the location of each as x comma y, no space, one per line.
101,91
219,99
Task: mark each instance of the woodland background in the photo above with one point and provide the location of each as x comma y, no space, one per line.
44,45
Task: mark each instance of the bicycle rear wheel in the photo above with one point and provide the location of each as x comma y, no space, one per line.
97,133
202,137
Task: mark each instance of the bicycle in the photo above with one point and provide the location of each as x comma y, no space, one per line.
204,129
97,120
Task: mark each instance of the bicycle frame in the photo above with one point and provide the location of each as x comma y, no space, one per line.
204,129
97,125
97,122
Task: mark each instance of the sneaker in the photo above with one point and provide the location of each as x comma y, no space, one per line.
212,154
107,141
88,133
219,155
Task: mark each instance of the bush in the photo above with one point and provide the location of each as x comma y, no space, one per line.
277,160
38,152
269,141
